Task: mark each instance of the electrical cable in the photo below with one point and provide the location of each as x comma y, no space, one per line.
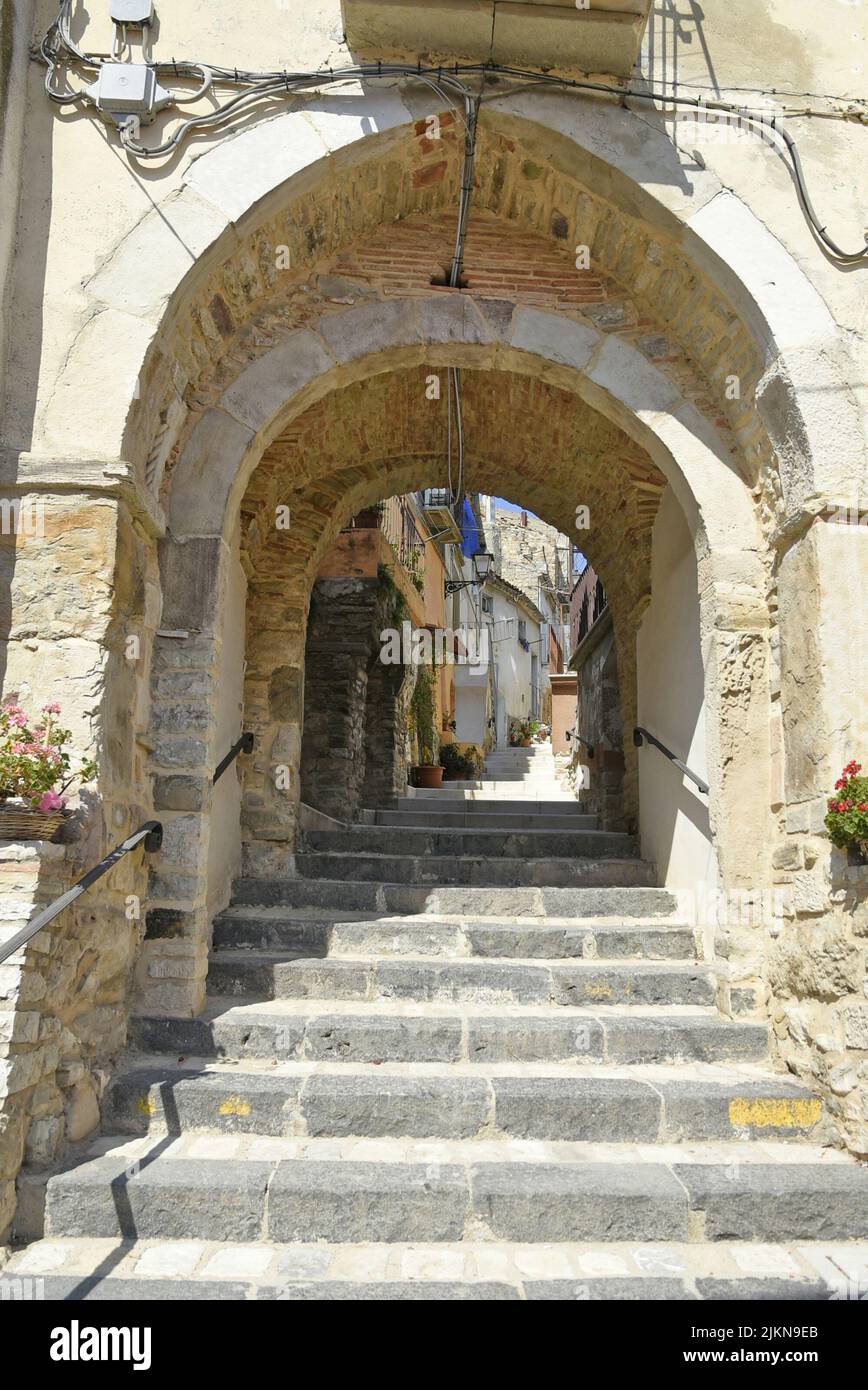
57,46
455,273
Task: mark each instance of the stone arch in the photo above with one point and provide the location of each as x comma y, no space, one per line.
222,358
525,438
619,184
221,456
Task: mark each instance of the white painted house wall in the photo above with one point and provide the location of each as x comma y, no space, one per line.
674,814
512,662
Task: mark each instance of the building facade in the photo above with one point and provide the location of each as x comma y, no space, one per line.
261,319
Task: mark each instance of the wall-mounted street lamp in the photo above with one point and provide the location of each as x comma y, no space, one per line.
482,563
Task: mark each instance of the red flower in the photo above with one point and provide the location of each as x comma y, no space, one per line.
863,806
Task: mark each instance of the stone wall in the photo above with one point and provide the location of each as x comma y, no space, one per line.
78,627
598,720
390,689
529,554
354,745
64,1001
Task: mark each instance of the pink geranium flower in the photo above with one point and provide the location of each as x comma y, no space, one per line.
51,801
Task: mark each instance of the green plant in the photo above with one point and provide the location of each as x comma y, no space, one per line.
476,758
522,730
454,762
35,760
391,597
422,716
458,761
847,816
417,578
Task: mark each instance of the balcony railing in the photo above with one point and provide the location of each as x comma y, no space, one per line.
398,525
594,605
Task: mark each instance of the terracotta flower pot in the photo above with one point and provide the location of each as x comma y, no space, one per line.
428,775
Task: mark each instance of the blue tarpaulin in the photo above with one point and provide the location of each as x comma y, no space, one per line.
471,540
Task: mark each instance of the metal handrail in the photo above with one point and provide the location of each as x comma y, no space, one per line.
244,745
152,835
640,734
570,733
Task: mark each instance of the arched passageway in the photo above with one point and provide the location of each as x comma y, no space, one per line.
277,357
580,391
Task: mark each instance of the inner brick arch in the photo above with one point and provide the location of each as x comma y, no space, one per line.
597,373
525,439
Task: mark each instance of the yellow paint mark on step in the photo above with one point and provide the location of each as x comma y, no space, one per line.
234,1105
599,991
777,1112
146,1105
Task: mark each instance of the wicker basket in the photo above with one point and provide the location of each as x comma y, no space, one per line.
23,823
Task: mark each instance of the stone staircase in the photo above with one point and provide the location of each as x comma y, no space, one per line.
525,775
455,1061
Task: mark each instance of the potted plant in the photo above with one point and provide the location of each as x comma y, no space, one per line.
427,772
475,760
847,816
452,762
522,732
458,764
35,772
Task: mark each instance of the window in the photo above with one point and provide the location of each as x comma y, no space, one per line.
487,603
522,630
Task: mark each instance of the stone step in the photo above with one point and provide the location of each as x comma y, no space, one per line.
476,842
335,1100
477,870
473,805
391,899
531,759
398,1031
436,819
369,978
512,782
473,795
538,753
521,757
281,929
499,789
510,768
99,1270
160,1196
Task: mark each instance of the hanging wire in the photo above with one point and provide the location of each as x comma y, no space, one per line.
57,48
